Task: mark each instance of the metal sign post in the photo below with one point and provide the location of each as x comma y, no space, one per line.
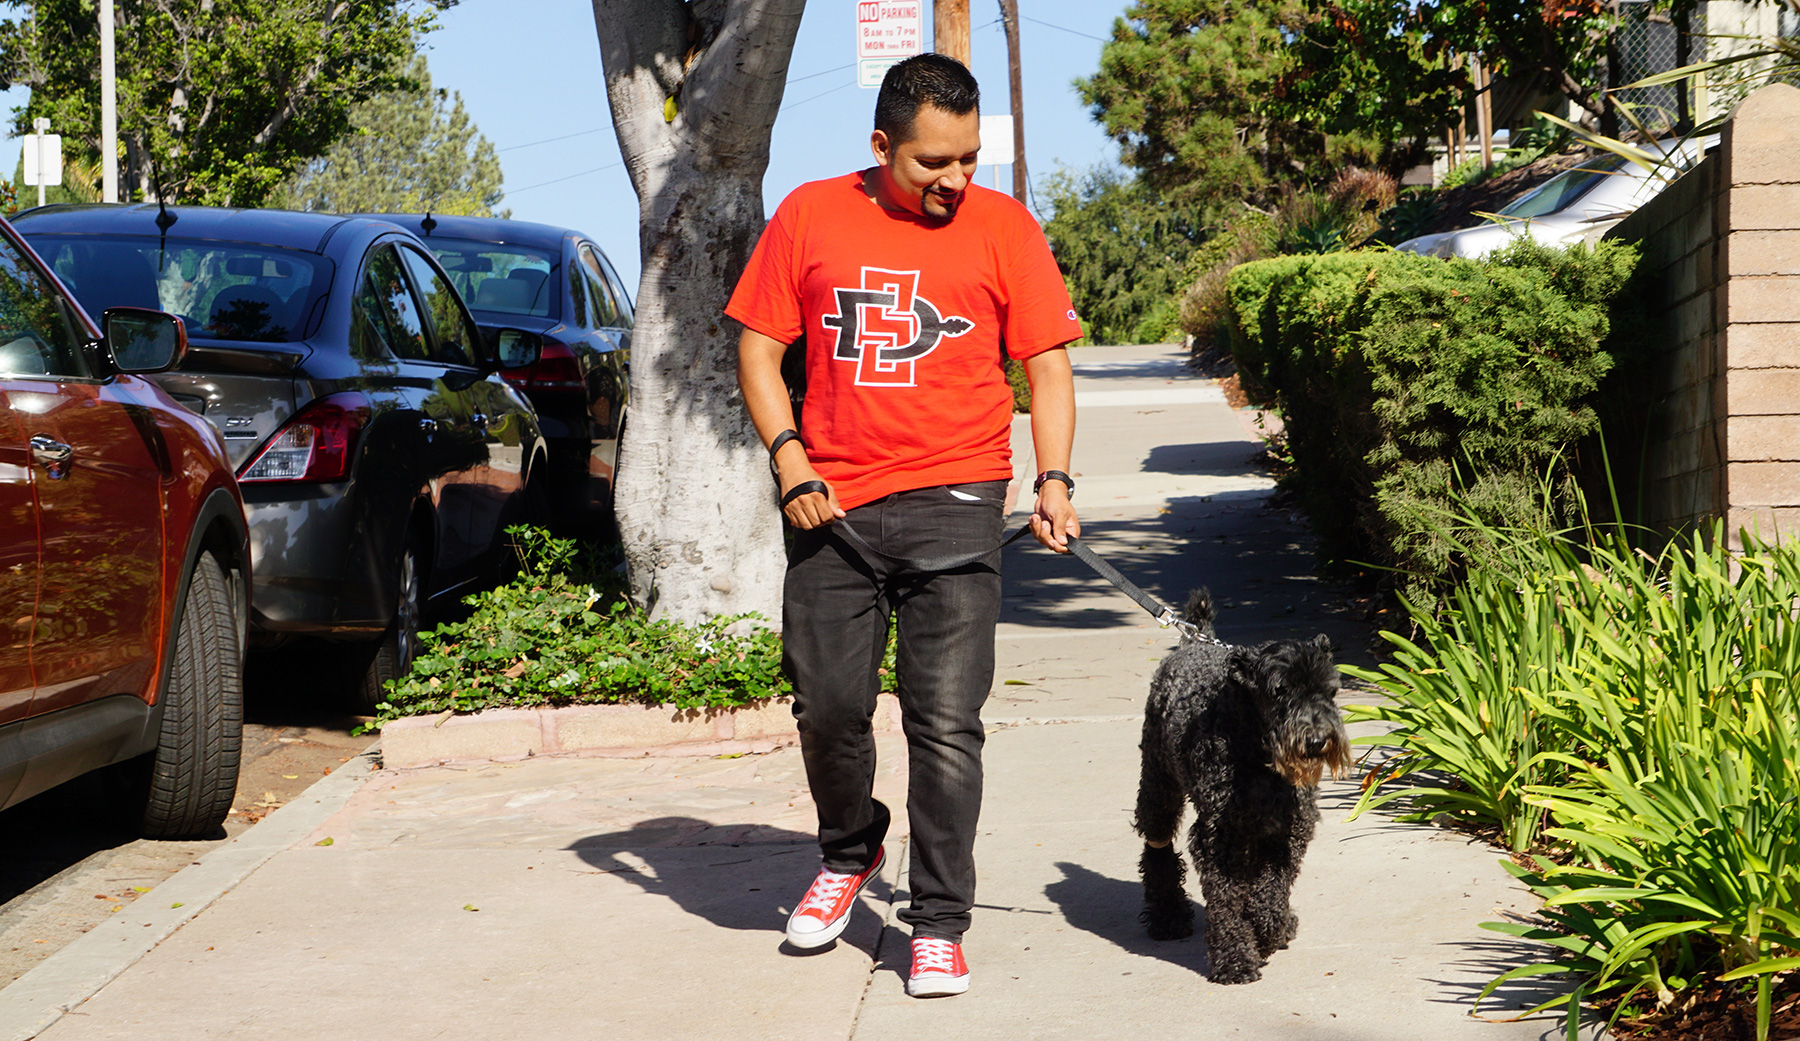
887,32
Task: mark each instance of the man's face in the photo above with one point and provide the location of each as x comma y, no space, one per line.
928,172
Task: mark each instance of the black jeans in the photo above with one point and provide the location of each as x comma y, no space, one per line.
839,598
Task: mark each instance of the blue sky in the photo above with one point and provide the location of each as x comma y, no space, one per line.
529,72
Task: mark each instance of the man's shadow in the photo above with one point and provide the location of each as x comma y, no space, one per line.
734,876
1108,908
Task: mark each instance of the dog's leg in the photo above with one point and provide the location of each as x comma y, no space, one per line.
1167,914
1231,951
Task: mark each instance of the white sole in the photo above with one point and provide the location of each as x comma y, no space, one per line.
937,986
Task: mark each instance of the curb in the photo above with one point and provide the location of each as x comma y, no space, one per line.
36,1000
611,731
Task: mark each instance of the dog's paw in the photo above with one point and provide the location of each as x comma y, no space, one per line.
1230,975
1168,924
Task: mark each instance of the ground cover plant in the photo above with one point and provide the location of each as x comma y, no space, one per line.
563,632
1406,380
1628,723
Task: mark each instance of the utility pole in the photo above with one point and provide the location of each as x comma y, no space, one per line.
1484,110
950,29
1009,14
109,109
42,126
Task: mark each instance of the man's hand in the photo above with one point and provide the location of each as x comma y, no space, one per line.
1053,522
811,510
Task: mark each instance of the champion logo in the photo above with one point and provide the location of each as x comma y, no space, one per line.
884,326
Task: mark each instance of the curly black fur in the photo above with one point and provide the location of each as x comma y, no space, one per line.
1243,733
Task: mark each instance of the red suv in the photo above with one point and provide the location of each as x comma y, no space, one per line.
124,562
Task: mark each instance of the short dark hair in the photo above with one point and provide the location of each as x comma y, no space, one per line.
924,79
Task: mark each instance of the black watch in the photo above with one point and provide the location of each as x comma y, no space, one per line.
1053,475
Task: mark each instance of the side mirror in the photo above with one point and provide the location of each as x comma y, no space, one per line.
516,348
143,341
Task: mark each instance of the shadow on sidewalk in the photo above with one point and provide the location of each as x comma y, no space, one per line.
1486,959
744,876
1108,908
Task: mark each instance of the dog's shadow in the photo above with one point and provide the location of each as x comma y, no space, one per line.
1108,908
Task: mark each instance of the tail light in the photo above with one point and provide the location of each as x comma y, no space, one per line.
556,369
318,444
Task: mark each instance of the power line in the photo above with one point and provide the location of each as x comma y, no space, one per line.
816,97
514,191
548,140
816,75
1064,28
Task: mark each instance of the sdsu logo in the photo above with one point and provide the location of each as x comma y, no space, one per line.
884,327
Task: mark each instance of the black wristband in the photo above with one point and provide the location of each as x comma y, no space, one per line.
1053,475
775,446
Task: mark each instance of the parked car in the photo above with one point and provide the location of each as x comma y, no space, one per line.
1577,205
379,455
123,562
559,284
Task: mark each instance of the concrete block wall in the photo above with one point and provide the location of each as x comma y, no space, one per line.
1722,250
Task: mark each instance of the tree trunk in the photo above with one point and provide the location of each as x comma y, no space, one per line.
694,90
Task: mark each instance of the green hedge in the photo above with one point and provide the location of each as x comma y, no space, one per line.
1404,379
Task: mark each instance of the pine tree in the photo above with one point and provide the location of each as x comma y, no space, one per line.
410,151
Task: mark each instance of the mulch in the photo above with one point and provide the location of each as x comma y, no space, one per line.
1721,1012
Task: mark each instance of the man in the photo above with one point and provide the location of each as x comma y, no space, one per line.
907,282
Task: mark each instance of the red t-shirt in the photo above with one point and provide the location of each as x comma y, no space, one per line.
904,320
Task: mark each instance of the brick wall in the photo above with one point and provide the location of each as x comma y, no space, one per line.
1722,250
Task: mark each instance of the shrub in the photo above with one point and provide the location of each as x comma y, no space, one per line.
564,633
1403,379
1630,719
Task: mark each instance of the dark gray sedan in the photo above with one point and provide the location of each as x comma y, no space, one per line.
555,282
379,454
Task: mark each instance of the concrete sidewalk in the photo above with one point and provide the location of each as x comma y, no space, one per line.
562,897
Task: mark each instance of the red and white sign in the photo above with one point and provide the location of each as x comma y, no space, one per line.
887,31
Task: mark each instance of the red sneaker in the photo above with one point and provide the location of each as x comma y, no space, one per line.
938,969
825,910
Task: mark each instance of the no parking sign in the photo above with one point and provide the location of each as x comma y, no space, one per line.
887,31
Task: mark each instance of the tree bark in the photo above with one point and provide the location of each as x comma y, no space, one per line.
694,90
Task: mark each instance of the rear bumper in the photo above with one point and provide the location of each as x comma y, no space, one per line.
313,570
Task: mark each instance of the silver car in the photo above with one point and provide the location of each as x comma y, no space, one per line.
1577,205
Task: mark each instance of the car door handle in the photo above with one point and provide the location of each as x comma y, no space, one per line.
53,454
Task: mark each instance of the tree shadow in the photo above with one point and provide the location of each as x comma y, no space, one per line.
1211,458
736,876
1108,908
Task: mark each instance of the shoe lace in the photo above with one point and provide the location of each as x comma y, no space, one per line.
933,955
825,893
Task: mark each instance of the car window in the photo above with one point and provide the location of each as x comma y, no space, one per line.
222,291
604,308
386,302
454,337
503,279
1561,191
38,335
579,312
619,291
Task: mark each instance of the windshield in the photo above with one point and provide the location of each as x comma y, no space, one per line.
503,279
222,290
1561,191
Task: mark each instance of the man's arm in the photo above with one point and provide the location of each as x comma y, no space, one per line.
766,396
1053,438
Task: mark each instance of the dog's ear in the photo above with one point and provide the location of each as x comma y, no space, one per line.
1200,607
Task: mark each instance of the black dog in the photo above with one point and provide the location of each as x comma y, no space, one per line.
1243,733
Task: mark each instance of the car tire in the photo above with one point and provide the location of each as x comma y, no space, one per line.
184,789
391,657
